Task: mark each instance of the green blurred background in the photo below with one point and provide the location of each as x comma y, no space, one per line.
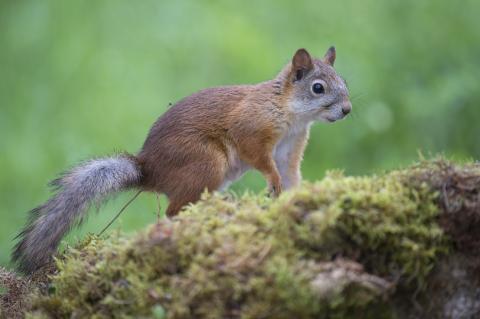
85,78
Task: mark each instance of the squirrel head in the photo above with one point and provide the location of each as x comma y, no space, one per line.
317,91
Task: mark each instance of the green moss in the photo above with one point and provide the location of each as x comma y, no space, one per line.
330,249
388,226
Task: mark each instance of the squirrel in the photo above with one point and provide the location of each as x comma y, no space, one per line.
205,141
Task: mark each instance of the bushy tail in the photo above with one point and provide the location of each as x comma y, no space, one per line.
90,182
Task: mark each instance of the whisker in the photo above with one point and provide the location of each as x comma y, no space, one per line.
357,96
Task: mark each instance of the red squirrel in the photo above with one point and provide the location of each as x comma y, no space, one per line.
205,141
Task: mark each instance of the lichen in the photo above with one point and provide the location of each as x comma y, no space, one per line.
339,248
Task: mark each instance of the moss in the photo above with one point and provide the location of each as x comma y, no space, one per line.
388,226
338,248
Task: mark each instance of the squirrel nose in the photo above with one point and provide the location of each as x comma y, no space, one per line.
346,108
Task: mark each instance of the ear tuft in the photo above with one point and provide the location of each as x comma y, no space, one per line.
301,64
330,56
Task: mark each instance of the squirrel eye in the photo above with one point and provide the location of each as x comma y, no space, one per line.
318,88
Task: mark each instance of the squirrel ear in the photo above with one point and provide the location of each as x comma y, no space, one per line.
329,57
301,64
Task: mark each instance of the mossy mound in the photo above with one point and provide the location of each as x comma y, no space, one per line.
343,247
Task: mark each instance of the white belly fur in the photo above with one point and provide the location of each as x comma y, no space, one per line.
281,153
236,168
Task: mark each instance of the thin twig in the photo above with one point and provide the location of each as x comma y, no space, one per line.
119,213
159,208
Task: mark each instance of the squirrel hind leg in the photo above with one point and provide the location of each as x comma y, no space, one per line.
187,196
193,182
174,207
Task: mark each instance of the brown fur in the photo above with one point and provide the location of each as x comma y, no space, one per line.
205,141
187,149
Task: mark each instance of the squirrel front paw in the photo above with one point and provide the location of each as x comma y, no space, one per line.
275,190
